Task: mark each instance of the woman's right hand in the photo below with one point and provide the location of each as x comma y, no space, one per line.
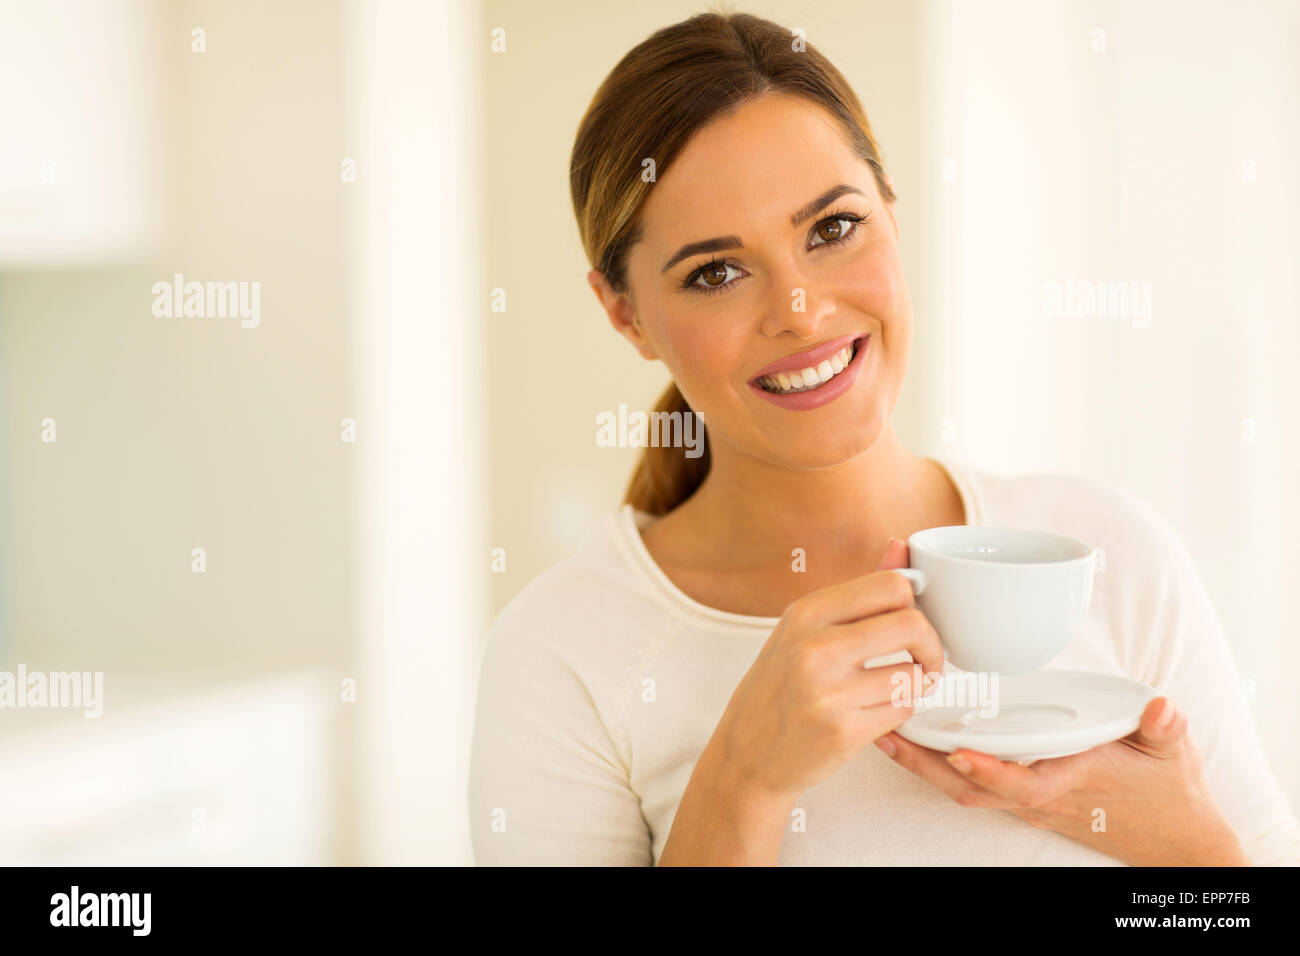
807,704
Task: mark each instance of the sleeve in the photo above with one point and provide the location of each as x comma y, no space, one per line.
547,785
1189,660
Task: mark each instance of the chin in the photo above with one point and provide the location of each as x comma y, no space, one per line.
815,450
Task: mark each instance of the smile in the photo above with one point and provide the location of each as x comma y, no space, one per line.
822,380
806,379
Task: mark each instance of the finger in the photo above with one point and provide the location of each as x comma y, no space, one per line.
899,685
931,767
880,719
1031,786
1161,729
889,632
895,556
853,600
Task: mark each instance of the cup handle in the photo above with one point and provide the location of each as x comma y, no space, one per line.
914,576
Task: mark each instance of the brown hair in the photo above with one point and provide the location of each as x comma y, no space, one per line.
661,92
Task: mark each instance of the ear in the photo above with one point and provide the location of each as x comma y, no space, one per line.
621,313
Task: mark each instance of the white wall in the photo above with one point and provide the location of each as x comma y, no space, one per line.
81,144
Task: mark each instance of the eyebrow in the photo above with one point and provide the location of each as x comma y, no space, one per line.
801,215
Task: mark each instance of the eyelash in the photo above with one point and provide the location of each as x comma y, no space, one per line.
689,285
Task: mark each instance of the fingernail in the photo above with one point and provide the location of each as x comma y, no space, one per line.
887,747
1166,716
959,763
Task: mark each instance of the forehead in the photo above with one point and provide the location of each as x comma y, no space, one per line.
756,165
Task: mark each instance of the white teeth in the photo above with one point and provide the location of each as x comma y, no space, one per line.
805,379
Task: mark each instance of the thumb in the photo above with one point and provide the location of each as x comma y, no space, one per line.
895,555
1161,728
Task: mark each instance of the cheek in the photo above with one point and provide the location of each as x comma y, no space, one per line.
880,291
880,288
704,353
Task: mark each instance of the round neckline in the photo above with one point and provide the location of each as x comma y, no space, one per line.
631,522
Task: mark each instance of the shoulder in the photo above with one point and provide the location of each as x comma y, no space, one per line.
1124,527
1145,573
1147,587
590,612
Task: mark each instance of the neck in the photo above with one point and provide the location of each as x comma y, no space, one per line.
755,512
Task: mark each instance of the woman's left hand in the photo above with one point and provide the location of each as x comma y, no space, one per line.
1141,799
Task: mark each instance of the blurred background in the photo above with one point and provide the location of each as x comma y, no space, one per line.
276,539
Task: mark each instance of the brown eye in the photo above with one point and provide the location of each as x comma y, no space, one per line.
717,271
830,229
714,275
838,228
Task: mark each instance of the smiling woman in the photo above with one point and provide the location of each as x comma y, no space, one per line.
717,65
702,681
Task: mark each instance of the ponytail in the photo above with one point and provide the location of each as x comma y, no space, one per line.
665,477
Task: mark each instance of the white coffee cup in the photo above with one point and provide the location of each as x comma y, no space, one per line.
1000,599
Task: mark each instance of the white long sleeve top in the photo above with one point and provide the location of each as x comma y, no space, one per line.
602,682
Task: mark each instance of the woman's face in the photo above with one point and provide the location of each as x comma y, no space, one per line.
776,288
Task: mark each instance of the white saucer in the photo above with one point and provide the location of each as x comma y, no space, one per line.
1049,713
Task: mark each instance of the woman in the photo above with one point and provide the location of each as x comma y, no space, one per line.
689,686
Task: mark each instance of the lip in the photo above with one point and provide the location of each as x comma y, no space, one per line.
822,394
810,358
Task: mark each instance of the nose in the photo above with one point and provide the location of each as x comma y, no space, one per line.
803,310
